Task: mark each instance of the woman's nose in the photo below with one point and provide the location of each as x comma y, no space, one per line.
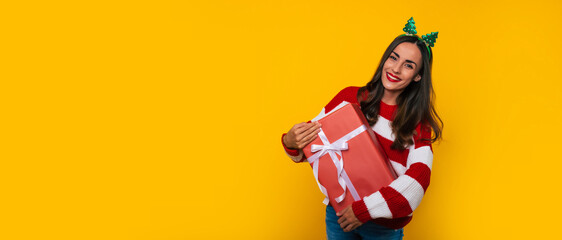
396,68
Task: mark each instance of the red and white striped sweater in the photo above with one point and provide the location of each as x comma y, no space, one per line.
391,206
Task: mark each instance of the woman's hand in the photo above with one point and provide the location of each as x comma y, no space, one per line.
348,221
301,135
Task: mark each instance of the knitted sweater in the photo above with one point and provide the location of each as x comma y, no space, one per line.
391,206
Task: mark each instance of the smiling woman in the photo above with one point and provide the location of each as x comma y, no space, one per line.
398,105
399,71
403,78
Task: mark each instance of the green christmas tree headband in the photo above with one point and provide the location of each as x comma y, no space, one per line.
428,39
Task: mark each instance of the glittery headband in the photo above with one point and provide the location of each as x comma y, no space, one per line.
428,39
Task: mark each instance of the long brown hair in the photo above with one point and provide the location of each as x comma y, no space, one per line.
415,103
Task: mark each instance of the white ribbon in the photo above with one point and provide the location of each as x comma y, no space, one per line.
334,149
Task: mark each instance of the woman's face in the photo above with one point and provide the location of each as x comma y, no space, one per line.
401,67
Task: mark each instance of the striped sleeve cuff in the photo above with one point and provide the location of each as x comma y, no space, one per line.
295,154
292,152
360,210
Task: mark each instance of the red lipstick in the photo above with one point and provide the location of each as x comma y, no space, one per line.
390,77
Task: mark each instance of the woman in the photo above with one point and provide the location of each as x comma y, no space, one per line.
398,104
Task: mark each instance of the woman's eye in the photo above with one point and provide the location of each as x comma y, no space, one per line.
409,66
393,57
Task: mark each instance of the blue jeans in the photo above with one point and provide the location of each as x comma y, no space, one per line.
368,231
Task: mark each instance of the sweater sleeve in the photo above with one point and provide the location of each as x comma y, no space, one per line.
405,193
294,154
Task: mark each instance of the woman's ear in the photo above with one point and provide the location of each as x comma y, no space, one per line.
417,78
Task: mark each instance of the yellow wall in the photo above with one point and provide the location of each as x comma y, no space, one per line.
162,119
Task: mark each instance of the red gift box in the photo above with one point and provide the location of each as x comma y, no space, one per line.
347,160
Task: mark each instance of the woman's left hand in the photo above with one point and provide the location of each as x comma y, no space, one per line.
348,221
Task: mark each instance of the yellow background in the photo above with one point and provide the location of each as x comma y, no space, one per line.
162,119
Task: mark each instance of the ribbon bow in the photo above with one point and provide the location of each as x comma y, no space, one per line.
334,150
334,147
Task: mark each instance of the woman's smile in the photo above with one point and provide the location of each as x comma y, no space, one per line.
392,78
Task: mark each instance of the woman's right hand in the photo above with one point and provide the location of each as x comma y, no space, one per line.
301,135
